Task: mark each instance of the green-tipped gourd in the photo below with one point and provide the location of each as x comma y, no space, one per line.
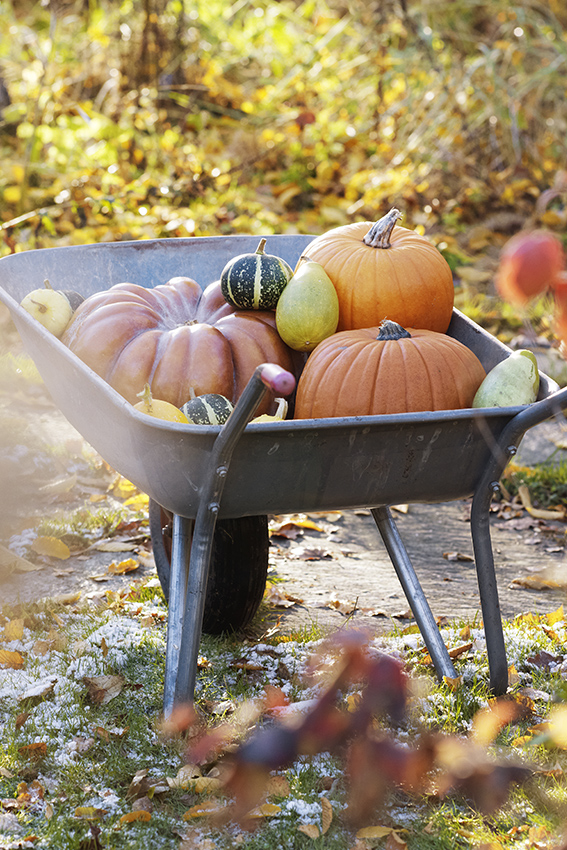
207,409
255,281
510,383
308,309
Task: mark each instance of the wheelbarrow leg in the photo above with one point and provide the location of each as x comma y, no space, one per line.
488,589
182,669
180,549
414,592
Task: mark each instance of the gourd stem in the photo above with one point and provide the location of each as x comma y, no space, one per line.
391,330
261,246
379,234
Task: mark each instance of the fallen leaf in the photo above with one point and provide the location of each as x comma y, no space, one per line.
303,553
539,513
342,606
265,810
89,812
39,690
460,650
326,815
15,660
138,815
372,832
51,547
207,807
102,689
127,566
34,752
309,829
457,556
14,629
64,598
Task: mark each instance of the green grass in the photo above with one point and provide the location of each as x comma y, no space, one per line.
124,735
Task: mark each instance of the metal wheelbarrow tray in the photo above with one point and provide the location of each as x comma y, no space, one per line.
201,474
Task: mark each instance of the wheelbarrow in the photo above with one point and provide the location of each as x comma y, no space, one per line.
212,488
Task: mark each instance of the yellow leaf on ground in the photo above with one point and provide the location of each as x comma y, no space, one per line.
266,810
374,832
89,812
126,566
139,814
11,659
207,807
52,547
14,629
309,829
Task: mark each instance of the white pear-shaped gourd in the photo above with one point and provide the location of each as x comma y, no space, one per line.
511,382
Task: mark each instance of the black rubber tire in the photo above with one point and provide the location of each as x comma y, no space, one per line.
237,572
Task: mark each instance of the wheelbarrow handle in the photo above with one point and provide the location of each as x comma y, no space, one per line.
186,607
278,380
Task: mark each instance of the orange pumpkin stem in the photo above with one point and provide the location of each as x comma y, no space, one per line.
379,234
391,330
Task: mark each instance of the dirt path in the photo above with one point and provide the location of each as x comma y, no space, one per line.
341,571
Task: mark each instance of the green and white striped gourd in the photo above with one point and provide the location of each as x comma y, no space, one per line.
255,281
207,409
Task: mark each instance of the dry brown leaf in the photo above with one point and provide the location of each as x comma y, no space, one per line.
52,547
538,582
278,599
313,553
342,606
102,689
460,650
326,815
309,829
278,786
12,659
34,752
64,599
457,556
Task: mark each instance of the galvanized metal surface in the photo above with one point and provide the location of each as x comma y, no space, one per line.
296,465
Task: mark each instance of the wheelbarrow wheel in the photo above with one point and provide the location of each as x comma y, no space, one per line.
237,571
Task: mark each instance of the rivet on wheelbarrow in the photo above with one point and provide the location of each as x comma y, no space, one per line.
512,450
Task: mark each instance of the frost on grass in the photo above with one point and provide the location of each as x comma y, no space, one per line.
82,734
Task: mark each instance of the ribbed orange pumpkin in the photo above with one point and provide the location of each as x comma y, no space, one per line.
384,271
174,337
387,369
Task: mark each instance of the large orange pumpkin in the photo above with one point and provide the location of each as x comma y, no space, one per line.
381,271
176,338
387,369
